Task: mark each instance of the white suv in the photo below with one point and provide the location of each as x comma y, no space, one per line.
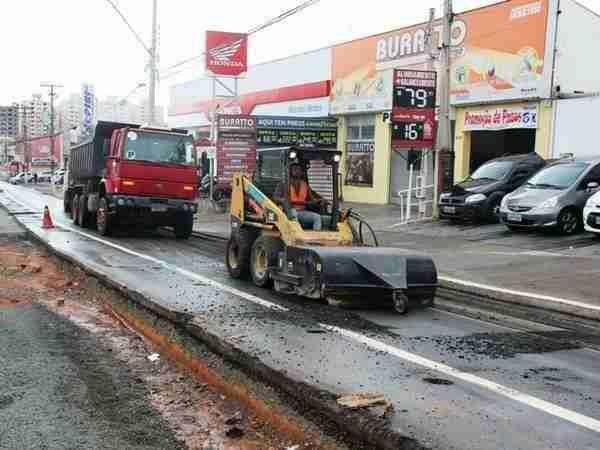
591,214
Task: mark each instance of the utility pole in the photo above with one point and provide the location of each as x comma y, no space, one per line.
24,110
52,94
444,140
153,64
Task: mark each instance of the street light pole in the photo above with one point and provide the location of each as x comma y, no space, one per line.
153,58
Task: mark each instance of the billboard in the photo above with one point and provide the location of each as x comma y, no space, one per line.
282,131
41,153
236,146
500,53
497,54
87,96
413,113
226,54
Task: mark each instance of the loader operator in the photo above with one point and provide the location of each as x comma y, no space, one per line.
301,198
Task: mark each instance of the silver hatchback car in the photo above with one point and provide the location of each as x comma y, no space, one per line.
553,198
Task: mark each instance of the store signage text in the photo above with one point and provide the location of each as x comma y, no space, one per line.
413,42
502,118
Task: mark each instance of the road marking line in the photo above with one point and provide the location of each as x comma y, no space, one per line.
534,402
526,399
520,293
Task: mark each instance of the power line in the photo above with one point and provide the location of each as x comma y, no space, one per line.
270,22
137,36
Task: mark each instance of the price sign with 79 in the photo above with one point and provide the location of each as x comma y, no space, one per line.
414,97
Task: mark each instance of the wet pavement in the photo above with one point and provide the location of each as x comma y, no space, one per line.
453,382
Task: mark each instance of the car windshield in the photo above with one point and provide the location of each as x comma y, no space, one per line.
159,147
559,176
494,171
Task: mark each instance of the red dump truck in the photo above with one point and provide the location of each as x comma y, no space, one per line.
133,176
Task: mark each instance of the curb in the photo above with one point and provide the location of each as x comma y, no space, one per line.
480,293
363,425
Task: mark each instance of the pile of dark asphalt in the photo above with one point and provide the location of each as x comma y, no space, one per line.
60,389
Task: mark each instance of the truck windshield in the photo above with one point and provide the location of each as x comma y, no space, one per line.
159,147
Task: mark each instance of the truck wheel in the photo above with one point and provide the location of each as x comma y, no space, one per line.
75,209
102,218
237,253
265,252
184,224
67,204
84,215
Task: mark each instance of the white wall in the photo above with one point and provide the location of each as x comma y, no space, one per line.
576,127
578,49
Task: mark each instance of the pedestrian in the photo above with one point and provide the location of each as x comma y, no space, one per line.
35,177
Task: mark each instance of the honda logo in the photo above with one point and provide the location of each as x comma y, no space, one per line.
226,53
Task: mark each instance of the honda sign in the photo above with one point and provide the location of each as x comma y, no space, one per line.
226,54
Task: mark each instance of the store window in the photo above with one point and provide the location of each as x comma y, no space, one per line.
360,151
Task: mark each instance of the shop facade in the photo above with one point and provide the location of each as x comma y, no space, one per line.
530,91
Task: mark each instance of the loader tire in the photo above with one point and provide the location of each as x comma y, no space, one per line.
237,253
264,255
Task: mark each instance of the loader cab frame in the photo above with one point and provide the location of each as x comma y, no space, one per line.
273,167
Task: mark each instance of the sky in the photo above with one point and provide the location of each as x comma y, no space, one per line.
70,42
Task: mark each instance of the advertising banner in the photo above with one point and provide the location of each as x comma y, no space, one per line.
41,154
236,146
505,118
281,131
497,54
413,113
226,54
360,158
87,95
500,53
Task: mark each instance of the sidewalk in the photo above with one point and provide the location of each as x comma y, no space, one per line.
533,264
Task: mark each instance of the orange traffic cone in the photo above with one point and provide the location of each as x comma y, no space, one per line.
47,220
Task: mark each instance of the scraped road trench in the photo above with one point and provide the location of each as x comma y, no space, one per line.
453,382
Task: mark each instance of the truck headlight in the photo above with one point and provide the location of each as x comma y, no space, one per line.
475,198
120,202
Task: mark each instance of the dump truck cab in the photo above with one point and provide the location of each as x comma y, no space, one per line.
338,262
133,175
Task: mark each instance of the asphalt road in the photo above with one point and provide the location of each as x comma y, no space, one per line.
61,390
455,383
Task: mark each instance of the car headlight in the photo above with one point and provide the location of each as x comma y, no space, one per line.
551,203
444,195
504,203
475,198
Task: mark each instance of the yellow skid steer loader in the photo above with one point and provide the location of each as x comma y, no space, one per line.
269,244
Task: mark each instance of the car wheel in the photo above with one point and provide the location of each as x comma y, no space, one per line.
569,221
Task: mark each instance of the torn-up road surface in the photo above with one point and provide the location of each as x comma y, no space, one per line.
449,382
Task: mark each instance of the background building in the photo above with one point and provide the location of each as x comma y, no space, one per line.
9,121
118,109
